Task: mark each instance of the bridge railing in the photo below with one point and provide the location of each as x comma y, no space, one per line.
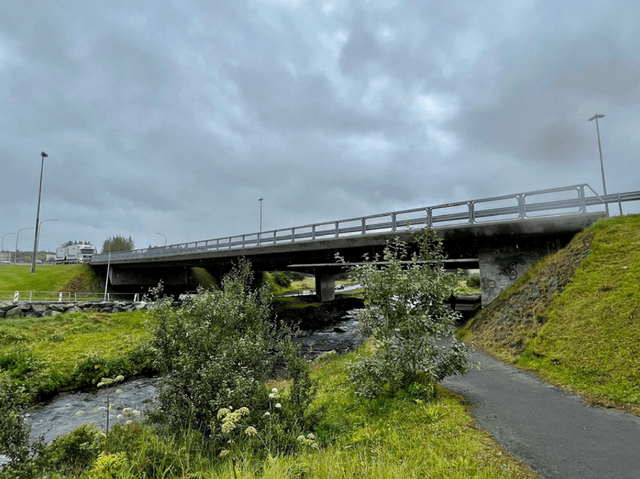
569,200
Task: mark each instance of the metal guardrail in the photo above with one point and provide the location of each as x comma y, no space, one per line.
568,200
63,296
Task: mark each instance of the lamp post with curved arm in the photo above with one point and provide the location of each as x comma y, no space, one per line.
17,238
165,238
2,247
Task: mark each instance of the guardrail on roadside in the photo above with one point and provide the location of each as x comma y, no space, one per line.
552,202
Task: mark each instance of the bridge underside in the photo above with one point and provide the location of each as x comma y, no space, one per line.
501,251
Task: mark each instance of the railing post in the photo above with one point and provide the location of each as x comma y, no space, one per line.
313,232
394,224
429,218
293,235
229,242
217,244
337,229
472,212
620,204
30,296
243,236
364,226
275,236
522,209
582,200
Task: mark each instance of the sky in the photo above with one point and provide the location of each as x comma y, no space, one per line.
175,117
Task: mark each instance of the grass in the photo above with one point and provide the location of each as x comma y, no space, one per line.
71,350
588,337
62,277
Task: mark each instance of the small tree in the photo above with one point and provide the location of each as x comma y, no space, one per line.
405,313
118,243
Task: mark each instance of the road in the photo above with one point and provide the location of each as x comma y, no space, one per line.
550,430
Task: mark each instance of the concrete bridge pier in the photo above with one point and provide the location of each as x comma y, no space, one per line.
325,287
501,266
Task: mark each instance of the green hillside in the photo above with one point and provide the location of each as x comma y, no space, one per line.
75,278
574,318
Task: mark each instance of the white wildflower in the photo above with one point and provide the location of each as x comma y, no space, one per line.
251,431
278,405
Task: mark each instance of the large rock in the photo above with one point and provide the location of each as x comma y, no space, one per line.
59,307
6,306
39,307
14,313
33,314
50,313
74,309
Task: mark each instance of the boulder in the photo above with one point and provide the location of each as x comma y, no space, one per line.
74,309
6,306
51,312
14,313
39,307
33,314
59,307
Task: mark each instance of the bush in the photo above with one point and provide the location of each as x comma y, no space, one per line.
473,281
214,352
405,312
281,279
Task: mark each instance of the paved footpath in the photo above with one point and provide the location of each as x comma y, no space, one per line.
550,430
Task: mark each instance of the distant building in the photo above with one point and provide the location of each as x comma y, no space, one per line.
6,256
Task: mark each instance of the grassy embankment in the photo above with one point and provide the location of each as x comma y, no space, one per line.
574,318
74,278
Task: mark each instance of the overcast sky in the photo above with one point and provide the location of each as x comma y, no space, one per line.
175,117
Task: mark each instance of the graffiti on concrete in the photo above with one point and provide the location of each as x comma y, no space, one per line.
511,269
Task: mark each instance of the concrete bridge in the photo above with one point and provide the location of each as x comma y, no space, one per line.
501,236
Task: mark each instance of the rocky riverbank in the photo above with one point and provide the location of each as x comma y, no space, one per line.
35,309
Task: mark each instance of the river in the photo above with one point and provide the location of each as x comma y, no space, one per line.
69,410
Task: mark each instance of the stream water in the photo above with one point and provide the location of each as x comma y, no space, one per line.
68,411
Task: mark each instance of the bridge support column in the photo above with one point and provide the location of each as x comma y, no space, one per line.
501,266
325,287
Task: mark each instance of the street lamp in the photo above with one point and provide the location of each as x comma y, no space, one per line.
17,238
40,229
35,240
2,248
165,238
604,184
260,200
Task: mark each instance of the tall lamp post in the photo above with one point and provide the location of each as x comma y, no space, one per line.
604,184
35,240
2,247
165,238
17,238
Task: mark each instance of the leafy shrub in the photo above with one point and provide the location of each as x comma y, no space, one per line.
405,312
281,279
75,451
474,281
23,457
214,352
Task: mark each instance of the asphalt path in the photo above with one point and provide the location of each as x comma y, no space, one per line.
552,431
